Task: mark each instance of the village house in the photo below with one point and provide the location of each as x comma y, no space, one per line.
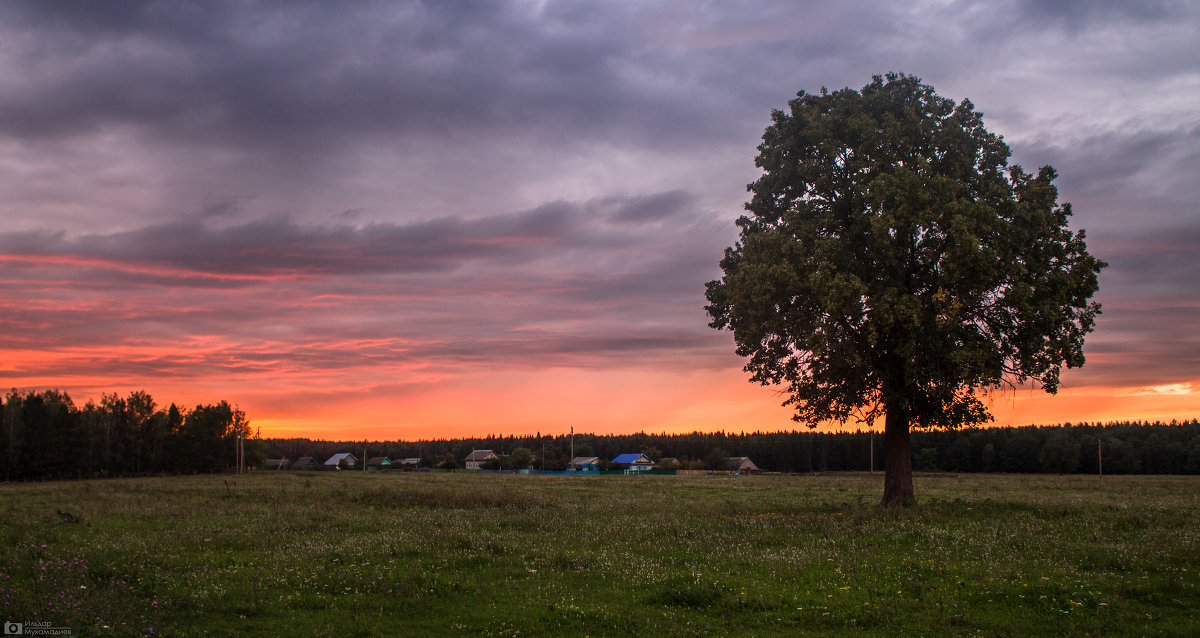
277,464
477,458
378,463
637,462
741,465
335,462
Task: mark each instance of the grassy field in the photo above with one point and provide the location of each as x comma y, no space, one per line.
351,554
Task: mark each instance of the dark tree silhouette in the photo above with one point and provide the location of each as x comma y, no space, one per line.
894,264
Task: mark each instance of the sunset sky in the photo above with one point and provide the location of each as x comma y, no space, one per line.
411,220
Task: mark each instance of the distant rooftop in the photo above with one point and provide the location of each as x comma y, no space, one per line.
343,456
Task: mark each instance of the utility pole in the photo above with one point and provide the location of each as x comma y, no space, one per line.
872,451
1100,457
571,466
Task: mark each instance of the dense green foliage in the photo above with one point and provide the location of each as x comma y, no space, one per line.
43,434
368,554
893,261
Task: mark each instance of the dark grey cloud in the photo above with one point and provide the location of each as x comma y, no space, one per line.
1140,170
1075,15
317,76
1134,192
183,250
400,111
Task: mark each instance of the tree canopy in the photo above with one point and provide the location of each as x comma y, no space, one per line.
44,434
892,262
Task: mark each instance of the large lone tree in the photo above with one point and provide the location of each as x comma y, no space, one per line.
893,263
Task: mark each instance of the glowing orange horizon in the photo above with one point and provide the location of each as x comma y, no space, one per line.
745,409
552,401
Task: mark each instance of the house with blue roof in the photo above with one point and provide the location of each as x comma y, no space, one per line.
637,462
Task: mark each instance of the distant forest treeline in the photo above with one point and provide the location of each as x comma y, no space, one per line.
1125,448
45,435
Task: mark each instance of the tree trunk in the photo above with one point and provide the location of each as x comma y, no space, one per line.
897,468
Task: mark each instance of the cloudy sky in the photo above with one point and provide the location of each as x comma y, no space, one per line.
402,219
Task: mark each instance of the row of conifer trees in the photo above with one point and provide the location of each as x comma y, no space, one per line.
45,435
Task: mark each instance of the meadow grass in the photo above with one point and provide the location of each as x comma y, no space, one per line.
354,554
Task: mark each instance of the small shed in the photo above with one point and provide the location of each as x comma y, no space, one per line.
335,462
668,463
410,463
585,463
378,463
277,464
636,461
305,463
477,458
